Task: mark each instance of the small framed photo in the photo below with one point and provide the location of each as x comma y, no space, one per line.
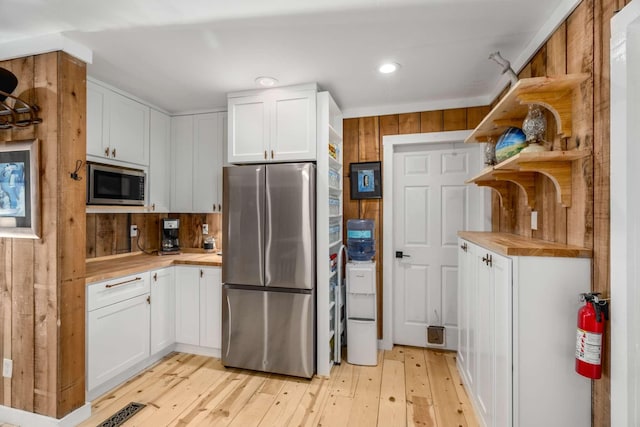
19,189
366,180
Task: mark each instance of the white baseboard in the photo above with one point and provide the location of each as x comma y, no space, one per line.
19,417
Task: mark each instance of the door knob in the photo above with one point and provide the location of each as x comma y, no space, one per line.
400,254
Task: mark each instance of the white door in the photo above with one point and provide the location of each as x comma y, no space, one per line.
206,133
431,204
187,305
159,162
210,307
293,126
248,129
128,130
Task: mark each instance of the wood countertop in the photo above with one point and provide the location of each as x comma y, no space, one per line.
514,245
105,268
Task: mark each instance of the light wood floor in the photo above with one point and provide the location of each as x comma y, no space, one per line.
409,387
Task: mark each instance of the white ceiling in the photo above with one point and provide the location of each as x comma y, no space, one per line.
187,55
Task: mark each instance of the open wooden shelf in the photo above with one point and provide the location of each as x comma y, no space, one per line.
554,93
521,169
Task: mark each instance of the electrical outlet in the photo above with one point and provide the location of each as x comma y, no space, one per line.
534,220
7,368
205,228
133,231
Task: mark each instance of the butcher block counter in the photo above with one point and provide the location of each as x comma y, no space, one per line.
105,268
514,245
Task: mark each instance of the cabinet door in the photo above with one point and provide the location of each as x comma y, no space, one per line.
163,308
159,166
248,129
484,340
466,311
117,339
128,130
210,307
182,164
187,305
206,136
97,120
502,281
293,126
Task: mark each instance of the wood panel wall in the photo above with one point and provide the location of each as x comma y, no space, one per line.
579,45
363,143
42,291
108,233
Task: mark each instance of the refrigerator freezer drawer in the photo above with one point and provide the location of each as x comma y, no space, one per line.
268,331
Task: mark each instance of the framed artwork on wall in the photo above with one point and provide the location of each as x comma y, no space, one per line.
366,180
19,189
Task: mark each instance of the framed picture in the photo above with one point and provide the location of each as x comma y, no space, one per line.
19,189
366,182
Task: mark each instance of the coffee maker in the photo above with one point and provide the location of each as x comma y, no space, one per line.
169,244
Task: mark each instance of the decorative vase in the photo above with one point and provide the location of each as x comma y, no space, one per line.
510,143
534,127
490,153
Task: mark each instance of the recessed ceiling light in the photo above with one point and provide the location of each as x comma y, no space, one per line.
266,81
389,67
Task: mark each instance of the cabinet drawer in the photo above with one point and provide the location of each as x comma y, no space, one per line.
112,291
361,280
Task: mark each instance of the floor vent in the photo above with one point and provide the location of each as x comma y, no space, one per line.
122,415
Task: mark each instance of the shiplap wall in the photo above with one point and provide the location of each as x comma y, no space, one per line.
42,290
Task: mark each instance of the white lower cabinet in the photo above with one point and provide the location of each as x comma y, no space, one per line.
134,320
517,337
163,309
117,327
198,306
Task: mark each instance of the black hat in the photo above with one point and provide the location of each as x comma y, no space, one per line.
8,82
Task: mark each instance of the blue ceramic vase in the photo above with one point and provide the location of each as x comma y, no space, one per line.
510,143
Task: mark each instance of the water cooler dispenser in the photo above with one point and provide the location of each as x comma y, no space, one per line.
362,342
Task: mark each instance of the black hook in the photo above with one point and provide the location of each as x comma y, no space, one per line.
74,175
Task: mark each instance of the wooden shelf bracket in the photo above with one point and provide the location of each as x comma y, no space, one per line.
502,188
524,180
559,173
560,105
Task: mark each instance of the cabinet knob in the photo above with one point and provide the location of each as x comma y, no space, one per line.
272,154
155,277
219,207
214,207
153,207
201,273
464,247
106,152
149,299
265,154
113,153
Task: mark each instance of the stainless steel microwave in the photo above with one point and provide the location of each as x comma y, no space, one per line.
113,185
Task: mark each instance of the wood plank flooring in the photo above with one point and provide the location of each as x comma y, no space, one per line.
409,387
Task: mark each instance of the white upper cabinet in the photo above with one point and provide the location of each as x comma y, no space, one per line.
159,176
196,158
274,125
117,127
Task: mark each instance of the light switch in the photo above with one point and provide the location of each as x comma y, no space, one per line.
534,220
205,228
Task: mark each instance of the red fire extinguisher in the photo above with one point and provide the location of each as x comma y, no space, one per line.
591,317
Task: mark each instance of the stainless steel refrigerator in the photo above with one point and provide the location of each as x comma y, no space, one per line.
268,272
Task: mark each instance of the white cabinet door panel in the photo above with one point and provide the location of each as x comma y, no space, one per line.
207,133
187,305
248,129
118,338
163,309
182,161
293,132
210,308
159,162
97,119
129,130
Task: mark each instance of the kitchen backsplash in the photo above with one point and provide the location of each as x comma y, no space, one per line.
108,233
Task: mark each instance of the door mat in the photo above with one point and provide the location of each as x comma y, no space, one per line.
122,415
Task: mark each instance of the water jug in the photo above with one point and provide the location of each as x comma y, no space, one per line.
360,241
